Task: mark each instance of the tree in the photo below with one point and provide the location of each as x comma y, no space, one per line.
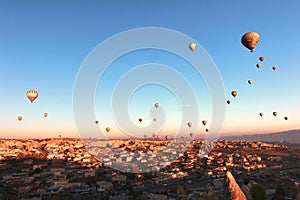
258,192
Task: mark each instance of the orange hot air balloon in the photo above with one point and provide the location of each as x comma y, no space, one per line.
140,120
189,124
204,122
32,95
250,82
206,130
234,93
262,58
250,40
286,118
275,114
228,101
192,46
274,68
45,114
156,105
261,114
107,129
20,118
258,65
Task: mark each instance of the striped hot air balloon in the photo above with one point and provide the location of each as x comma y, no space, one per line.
32,95
250,40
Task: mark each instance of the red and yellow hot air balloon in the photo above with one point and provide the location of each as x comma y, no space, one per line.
20,118
275,114
234,93
258,65
250,40
32,95
107,129
45,114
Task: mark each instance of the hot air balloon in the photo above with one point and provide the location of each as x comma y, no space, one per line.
107,129
192,46
275,114
32,95
96,122
156,105
274,68
20,118
250,40
258,65
154,119
286,118
189,124
228,101
140,120
206,130
204,122
234,93
45,114
262,58
192,134
250,82
261,114
167,137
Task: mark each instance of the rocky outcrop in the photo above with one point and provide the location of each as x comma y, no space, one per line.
235,192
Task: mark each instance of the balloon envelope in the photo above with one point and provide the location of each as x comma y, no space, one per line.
32,95
20,118
250,82
274,68
45,114
275,114
228,101
234,93
204,122
107,129
250,40
189,124
192,46
286,118
156,105
261,58
140,120
261,114
258,65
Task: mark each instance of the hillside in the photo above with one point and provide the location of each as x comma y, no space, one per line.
292,137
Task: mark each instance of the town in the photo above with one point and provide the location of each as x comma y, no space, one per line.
64,168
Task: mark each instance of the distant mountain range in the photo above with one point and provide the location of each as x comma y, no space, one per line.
291,137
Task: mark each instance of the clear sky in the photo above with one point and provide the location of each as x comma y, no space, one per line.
43,44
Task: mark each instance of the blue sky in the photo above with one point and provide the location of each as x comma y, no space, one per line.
43,44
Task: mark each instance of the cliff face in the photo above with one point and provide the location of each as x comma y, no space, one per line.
234,190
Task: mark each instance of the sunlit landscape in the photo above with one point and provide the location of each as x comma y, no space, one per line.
150,100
